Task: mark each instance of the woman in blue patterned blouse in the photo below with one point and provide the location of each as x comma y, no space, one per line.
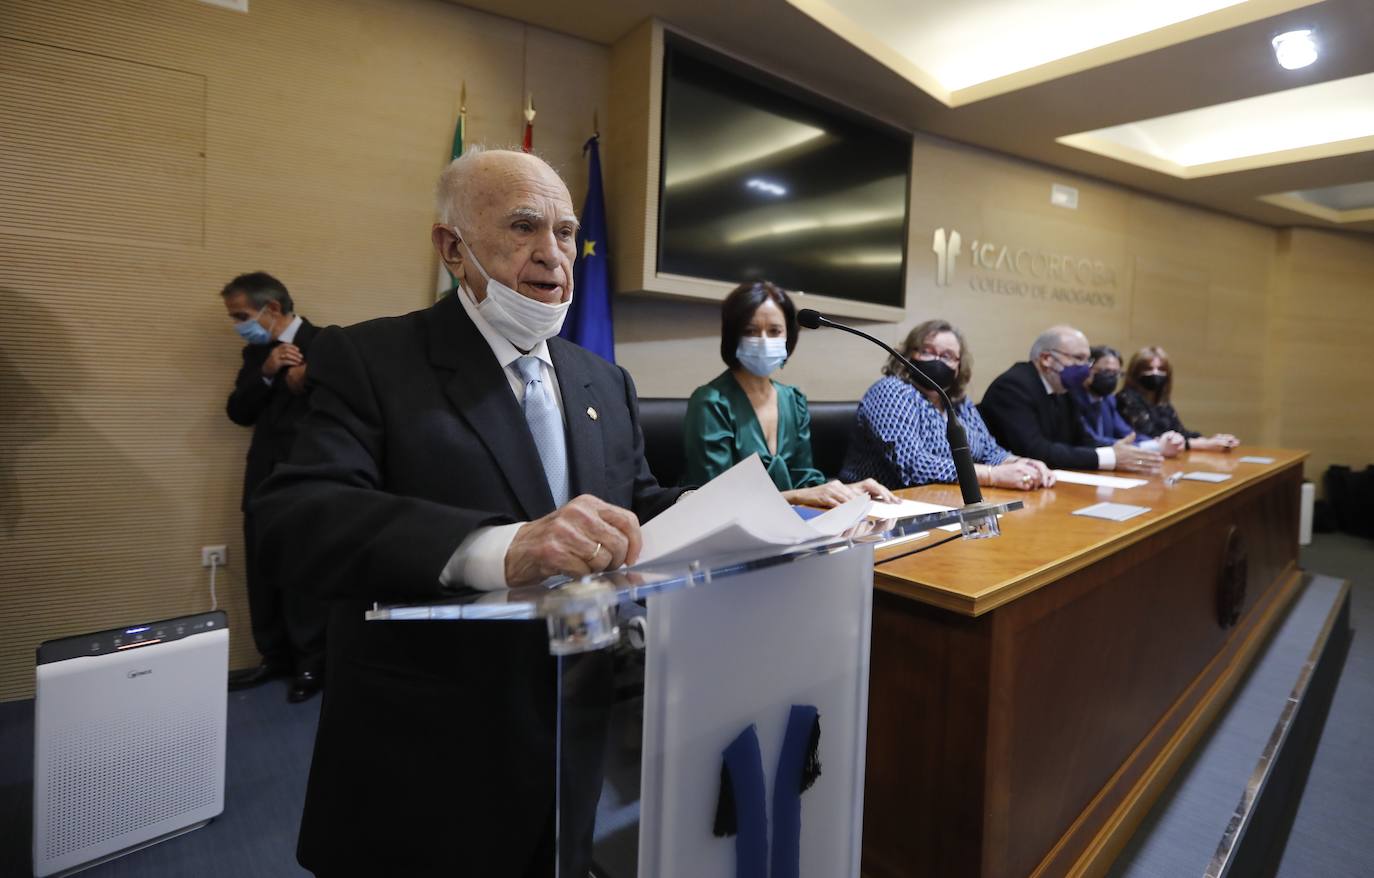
899,432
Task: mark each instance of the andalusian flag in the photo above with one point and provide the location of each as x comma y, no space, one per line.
447,281
589,317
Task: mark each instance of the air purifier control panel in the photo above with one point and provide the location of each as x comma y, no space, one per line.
133,637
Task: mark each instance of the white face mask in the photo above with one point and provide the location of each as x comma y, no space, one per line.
524,322
760,355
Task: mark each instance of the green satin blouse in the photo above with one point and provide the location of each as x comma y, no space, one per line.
721,429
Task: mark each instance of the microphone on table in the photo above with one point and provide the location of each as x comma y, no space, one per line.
977,517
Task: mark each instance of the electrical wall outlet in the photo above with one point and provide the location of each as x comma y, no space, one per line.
217,556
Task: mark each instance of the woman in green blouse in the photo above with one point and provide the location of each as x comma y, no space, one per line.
744,412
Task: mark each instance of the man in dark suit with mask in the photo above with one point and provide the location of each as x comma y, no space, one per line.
1029,410
461,446
270,396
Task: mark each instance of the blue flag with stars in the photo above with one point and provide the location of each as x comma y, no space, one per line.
589,317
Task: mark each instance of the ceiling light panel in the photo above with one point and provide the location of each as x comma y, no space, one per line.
1347,203
960,51
1300,124
1350,196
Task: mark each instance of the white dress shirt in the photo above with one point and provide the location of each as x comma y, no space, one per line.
480,559
1106,454
288,335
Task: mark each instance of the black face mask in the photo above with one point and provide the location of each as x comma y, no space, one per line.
937,371
1104,383
1153,383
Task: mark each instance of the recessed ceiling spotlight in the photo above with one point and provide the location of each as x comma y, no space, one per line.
1295,49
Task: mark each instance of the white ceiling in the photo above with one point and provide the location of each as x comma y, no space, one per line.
1298,124
1357,196
969,50
1352,203
1217,59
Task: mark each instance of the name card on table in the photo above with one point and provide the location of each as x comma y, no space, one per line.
1072,477
1199,476
1112,511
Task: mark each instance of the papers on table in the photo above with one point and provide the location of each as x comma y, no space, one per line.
1255,458
908,508
740,510
1199,476
1072,477
1112,511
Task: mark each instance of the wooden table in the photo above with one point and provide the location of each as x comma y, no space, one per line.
1030,696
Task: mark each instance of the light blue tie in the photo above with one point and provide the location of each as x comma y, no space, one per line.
546,426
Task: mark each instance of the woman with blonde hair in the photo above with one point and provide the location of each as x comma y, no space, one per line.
899,432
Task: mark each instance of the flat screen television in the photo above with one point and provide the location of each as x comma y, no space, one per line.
759,180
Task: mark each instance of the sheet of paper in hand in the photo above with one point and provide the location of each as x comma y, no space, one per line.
740,510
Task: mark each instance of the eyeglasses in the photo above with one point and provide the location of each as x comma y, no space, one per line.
1080,360
947,358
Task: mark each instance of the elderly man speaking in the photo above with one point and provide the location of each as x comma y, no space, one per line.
459,446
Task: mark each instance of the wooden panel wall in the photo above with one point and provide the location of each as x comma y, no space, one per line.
1186,279
151,151
1322,347
321,124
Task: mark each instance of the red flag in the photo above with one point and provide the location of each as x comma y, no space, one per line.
528,144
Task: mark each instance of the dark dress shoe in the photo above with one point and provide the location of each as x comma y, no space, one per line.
250,677
304,685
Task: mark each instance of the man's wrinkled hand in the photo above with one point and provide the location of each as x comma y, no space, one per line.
1133,458
281,356
587,535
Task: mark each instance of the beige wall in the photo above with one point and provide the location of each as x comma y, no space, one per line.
151,152
1321,353
161,148
1194,282
1269,331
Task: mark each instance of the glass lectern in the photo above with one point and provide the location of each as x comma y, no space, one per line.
712,715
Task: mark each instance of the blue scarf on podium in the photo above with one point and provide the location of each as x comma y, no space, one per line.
741,810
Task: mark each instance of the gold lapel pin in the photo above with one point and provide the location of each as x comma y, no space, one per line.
591,413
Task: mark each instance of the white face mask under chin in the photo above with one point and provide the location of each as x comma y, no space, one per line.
523,321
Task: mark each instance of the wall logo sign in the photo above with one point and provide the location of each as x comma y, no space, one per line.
1030,273
946,255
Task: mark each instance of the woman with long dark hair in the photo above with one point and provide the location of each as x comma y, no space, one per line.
1145,403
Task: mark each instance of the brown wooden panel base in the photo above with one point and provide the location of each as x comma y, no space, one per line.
1031,739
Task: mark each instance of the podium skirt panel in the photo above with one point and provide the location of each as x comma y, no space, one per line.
756,712
435,750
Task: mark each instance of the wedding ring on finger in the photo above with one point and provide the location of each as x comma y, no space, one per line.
595,552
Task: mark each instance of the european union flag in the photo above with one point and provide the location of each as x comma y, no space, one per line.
589,318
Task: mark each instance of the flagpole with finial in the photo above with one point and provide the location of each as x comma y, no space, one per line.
528,145
460,131
447,281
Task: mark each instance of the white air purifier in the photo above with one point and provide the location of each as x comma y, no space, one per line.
128,739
